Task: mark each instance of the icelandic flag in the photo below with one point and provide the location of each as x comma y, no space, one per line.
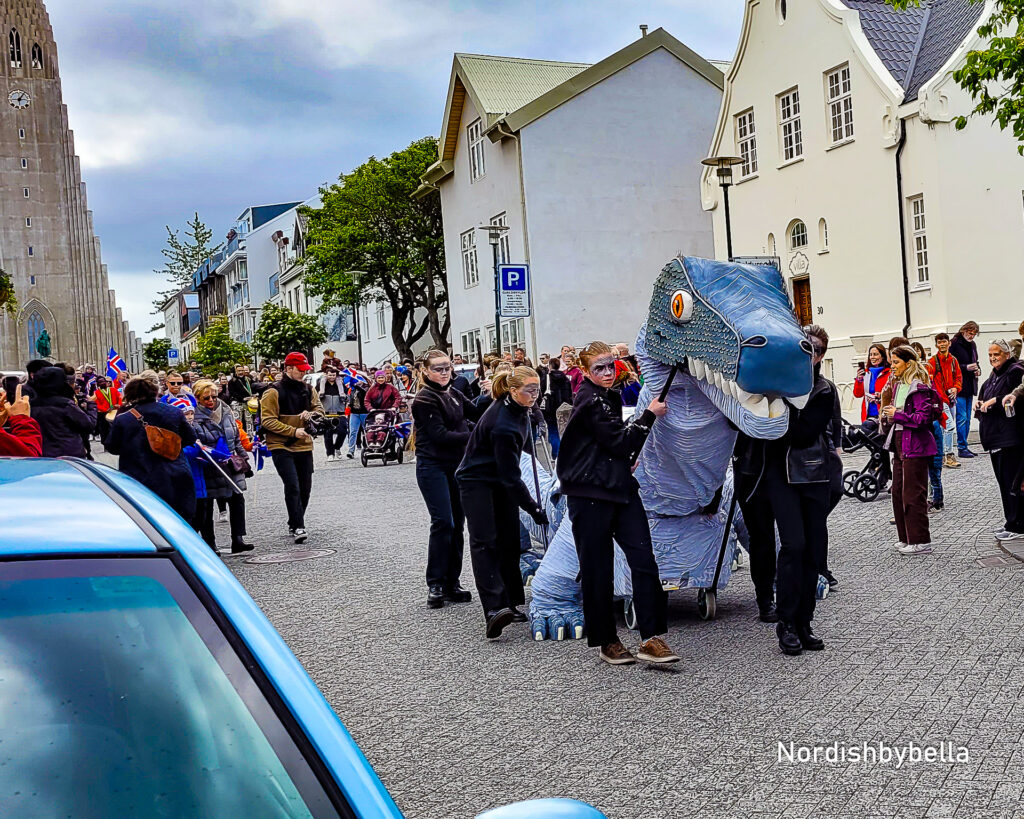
115,366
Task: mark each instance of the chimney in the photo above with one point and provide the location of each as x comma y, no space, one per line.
643,29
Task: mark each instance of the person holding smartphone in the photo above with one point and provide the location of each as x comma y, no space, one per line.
869,383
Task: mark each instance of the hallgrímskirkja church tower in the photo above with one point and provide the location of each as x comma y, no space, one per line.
47,245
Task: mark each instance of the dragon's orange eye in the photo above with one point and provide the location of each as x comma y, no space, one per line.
681,305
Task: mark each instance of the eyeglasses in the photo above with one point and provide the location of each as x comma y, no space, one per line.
175,383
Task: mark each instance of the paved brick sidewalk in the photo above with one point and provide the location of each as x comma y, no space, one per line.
920,650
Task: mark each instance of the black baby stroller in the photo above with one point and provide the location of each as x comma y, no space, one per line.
384,436
867,483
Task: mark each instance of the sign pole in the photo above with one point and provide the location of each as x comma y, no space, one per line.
497,293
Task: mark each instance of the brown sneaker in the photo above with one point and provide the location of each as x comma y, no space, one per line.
656,650
952,462
616,654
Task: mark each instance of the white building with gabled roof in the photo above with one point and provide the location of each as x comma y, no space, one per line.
881,213
592,168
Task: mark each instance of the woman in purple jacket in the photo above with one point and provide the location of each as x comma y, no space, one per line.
910,418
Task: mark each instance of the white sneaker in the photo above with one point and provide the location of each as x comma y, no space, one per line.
916,549
1006,536
899,545
223,517
330,458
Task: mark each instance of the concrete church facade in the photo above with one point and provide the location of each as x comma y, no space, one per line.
47,244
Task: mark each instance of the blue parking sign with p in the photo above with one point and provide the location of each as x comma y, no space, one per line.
514,295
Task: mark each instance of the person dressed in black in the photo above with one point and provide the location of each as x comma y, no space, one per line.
492,491
796,477
332,396
595,468
65,420
557,391
171,480
441,418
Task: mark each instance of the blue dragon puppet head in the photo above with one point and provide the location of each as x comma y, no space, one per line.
733,326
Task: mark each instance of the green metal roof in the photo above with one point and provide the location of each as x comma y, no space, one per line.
504,84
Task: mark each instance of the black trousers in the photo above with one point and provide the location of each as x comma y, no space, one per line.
296,471
445,546
492,516
1008,464
801,513
760,521
334,437
595,524
203,521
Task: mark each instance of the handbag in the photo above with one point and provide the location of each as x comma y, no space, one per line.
239,464
161,441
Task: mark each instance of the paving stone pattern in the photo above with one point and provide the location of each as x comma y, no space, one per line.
922,650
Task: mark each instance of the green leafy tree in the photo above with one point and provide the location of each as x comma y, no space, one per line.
369,222
183,256
155,353
994,75
216,351
283,331
8,298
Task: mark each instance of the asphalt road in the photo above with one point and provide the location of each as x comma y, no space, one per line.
923,650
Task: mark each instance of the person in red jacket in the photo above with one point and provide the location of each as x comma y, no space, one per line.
948,381
107,396
382,395
24,439
870,382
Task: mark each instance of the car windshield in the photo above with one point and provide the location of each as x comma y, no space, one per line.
120,696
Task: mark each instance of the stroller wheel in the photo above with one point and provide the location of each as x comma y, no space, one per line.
849,479
866,488
706,600
362,457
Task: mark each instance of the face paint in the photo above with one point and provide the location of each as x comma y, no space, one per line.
603,366
530,390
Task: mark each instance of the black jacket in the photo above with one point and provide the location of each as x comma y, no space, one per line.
560,393
596,455
470,389
965,352
240,389
493,450
171,480
997,431
61,419
440,418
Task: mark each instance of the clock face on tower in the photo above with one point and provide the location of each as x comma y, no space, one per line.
19,99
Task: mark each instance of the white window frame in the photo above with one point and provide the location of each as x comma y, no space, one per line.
381,326
792,235
791,138
27,193
504,254
839,103
28,221
475,144
468,341
470,265
492,341
24,164
823,235
513,334
746,142
919,240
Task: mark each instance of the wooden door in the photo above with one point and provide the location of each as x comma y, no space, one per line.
802,301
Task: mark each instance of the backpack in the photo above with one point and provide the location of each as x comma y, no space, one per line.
161,441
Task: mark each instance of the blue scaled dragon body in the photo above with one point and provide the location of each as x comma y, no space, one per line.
730,333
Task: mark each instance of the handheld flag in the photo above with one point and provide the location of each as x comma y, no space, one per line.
115,366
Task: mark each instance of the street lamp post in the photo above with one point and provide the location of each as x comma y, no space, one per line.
356,274
494,237
724,164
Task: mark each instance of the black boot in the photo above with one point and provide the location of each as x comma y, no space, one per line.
435,596
497,620
789,641
766,611
518,616
808,639
456,594
239,544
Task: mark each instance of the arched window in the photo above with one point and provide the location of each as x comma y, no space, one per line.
823,235
37,57
797,235
771,244
14,43
35,328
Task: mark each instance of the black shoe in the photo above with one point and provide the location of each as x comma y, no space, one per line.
518,617
457,594
808,639
767,612
789,641
832,582
435,597
238,544
300,535
350,455
497,620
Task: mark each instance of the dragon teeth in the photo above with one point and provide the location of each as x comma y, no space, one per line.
777,408
742,395
758,405
697,367
800,401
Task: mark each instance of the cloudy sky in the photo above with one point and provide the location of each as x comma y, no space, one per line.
213,105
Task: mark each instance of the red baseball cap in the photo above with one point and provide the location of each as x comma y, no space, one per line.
297,360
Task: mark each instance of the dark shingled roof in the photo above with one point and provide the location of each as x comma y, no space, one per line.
914,44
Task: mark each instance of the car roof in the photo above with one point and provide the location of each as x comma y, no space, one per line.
53,506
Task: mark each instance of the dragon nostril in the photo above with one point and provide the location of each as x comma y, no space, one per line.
755,341
805,345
